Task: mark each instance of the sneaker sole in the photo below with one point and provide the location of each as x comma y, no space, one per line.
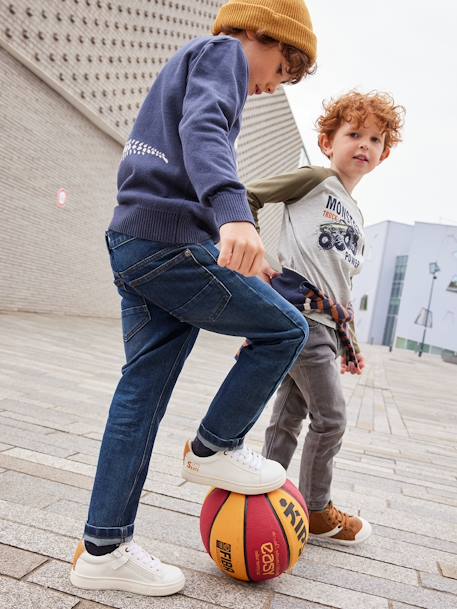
243,489
125,585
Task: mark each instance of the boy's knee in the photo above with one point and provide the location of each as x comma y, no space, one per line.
333,425
301,331
337,424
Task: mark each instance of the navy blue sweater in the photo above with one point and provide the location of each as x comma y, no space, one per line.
178,179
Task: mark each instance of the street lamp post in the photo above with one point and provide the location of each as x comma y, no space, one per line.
433,269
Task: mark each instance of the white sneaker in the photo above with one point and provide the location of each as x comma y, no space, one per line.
241,470
128,568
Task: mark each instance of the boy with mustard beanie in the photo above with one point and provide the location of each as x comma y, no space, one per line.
179,195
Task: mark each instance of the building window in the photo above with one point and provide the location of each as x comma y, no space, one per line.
395,297
413,345
364,302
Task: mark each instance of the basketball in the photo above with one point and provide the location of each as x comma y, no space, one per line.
255,537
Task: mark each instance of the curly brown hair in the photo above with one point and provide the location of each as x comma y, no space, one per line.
355,107
298,64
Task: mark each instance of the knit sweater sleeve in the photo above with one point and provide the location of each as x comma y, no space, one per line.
285,188
215,96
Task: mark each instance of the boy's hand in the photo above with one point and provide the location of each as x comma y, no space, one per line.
267,273
241,248
350,367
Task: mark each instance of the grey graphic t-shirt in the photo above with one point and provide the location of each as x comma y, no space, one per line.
322,229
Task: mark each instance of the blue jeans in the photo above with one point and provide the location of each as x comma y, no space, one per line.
168,292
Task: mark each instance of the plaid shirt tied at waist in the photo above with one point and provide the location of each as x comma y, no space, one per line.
306,297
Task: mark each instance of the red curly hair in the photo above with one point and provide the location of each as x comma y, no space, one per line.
355,107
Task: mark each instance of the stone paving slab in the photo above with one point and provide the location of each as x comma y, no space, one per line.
396,605
385,588
43,472
404,521
22,489
435,582
30,441
325,557
46,459
20,424
281,601
395,480
394,552
39,519
424,508
17,563
91,605
22,595
37,540
172,504
421,541
379,500
397,467
334,596
449,570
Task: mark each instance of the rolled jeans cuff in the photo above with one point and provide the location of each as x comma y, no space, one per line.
106,536
213,442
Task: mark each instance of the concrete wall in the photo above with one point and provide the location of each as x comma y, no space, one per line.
53,259
73,75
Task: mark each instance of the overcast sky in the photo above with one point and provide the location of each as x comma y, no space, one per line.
408,48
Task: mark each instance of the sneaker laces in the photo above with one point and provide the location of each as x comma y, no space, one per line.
143,557
337,517
247,456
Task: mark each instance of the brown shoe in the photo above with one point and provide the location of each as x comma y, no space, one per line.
334,525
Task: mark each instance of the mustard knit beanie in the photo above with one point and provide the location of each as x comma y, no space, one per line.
286,21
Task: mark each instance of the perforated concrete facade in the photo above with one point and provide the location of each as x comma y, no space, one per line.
73,74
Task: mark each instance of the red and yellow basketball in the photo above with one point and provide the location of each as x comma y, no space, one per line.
255,537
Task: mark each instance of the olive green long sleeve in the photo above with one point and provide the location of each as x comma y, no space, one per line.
285,188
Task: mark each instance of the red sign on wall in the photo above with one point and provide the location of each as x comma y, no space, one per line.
61,197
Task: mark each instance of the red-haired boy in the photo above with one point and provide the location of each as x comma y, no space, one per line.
321,249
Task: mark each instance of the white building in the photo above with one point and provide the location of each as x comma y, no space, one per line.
391,295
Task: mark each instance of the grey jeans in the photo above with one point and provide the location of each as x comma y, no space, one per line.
313,388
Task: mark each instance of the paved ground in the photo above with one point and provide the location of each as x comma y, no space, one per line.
398,467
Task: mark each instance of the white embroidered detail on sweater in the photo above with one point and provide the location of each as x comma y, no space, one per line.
137,147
